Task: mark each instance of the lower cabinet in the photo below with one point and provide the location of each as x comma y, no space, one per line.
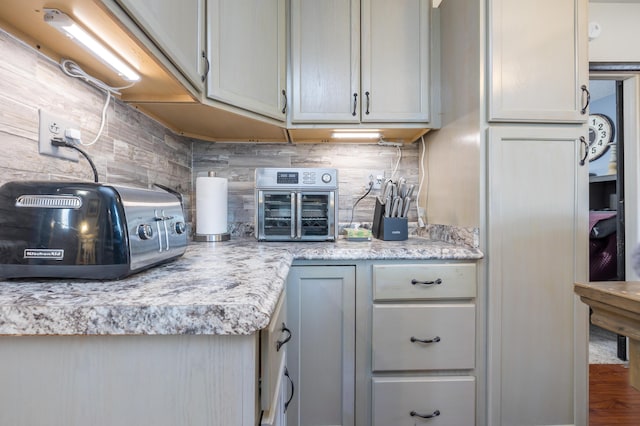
382,343
276,415
423,338
537,328
274,380
321,355
159,380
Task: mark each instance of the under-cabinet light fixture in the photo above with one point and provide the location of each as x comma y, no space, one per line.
350,134
63,23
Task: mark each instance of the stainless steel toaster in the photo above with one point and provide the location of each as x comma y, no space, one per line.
86,230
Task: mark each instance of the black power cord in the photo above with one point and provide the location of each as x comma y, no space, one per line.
353,208
59,142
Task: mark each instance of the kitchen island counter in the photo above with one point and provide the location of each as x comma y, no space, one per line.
228,288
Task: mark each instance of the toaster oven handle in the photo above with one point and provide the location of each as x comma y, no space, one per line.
299,214
293,215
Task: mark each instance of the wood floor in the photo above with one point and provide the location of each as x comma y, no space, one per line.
612,401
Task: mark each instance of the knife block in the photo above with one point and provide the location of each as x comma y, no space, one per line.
388,228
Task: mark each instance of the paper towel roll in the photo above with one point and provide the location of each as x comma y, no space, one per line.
211,205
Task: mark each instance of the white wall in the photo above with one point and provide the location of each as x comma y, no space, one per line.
619,39
451,194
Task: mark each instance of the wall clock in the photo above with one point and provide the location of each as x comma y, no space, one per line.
601,133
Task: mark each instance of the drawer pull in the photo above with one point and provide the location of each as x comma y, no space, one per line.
425,416
434,340
280,343
293,389
436,282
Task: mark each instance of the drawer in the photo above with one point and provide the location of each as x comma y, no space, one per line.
272,353
451,400
450,326
424,281
274,416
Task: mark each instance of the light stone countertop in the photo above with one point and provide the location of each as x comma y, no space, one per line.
215,288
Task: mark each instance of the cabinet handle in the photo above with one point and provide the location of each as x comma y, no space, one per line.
284,107
207,66
293,389
588,100
355,104
367,109
436,282
425,416
583,141
434,340
280,343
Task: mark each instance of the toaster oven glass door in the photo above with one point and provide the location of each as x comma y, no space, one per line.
296,215
314,215
277,215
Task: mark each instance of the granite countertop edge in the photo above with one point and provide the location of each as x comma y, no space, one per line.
228,288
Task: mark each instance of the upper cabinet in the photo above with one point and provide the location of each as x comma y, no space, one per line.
247,55
177,28
538,63
356,61
395,42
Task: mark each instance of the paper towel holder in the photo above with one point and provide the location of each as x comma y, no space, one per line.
225,236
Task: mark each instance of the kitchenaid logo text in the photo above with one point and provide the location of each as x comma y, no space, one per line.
54,254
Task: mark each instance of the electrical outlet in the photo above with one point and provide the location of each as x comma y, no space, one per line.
377,176
54,127
422,220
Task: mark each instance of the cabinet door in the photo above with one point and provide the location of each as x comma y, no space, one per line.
177,28
395,60
325,61
273,346
276,416
537,60
321,353
247,54
537,222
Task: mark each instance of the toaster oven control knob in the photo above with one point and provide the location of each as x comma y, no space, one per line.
180,227
326,178
145,232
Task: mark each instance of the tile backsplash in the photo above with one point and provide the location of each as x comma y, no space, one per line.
136,150
133,149
237,162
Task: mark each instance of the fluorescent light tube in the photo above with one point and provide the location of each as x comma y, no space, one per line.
346,134
71,29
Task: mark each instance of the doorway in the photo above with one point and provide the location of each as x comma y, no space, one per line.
614,183
606,204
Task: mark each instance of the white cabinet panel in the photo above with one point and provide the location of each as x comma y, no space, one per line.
450,400
537,222
395,60
276,415
423,337
177,28
128,380
273,346
247,54
358,61
537,60
325,60
424,281
321,353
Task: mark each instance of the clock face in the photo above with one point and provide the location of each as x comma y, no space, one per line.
600,135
